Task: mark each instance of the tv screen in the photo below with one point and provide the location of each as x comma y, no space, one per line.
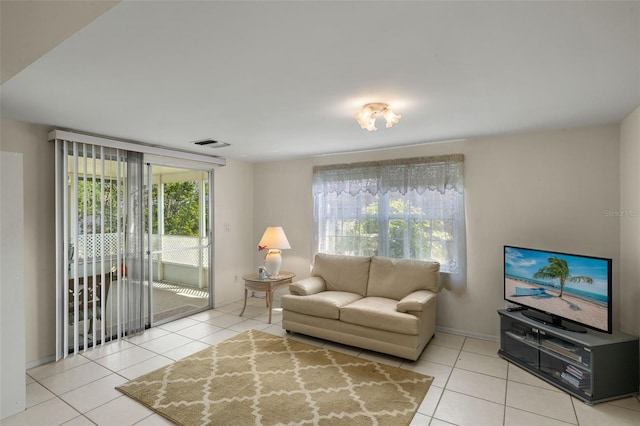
561,286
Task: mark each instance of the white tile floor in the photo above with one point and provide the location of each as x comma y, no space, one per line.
472,385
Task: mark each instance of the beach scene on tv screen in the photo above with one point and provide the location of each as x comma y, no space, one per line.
572,287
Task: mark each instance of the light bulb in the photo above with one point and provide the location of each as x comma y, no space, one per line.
391,117
366,119
372,125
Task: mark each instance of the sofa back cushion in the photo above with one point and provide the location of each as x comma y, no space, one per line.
396,278
343,273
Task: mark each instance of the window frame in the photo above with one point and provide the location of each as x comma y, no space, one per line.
333,185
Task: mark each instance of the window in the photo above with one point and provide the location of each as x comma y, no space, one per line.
410,208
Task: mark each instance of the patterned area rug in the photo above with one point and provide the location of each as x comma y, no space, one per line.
256,378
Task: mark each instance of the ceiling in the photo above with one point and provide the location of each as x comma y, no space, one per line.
283,80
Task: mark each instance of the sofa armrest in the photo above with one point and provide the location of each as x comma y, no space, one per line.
416,301
307,286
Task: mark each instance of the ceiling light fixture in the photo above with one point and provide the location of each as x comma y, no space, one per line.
367,117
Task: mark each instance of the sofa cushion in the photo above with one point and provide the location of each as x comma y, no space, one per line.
325,304
343,273
379,313
396,278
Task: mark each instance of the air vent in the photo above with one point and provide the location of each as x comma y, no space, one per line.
210,143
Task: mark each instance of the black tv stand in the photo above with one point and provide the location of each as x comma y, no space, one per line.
553,321
591,366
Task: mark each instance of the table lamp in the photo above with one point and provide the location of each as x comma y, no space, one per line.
275,240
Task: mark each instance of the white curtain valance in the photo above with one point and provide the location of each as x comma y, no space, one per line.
437,173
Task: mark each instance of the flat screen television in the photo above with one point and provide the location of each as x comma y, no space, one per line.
564,290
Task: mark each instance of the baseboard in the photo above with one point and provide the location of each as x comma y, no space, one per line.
40,362
468,334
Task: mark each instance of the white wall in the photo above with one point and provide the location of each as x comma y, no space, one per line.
39,233
13,395
283,198
234,213
544,190
630,223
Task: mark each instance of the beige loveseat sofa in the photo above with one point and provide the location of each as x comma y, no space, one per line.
386,305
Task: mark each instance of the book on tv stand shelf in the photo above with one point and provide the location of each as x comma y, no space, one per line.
562,350
574,381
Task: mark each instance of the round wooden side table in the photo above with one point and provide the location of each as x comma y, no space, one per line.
267,285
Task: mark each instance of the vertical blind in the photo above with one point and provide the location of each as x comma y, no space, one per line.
100,251
102,203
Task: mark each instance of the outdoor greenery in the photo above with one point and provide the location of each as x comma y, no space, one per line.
181,214
181,208
404,232
97,195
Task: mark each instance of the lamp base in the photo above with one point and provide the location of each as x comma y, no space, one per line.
273,261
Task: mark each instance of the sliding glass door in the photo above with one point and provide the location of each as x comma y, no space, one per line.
133,242
178,230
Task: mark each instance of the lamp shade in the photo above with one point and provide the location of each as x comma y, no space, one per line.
275,238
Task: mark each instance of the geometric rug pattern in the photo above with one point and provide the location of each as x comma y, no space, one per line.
256,378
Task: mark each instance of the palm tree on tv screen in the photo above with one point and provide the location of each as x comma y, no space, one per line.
558,268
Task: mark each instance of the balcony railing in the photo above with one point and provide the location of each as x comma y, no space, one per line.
177,249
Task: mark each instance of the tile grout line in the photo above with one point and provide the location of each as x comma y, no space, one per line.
233,311
93,361
444,388
506,393
536,413
575,412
